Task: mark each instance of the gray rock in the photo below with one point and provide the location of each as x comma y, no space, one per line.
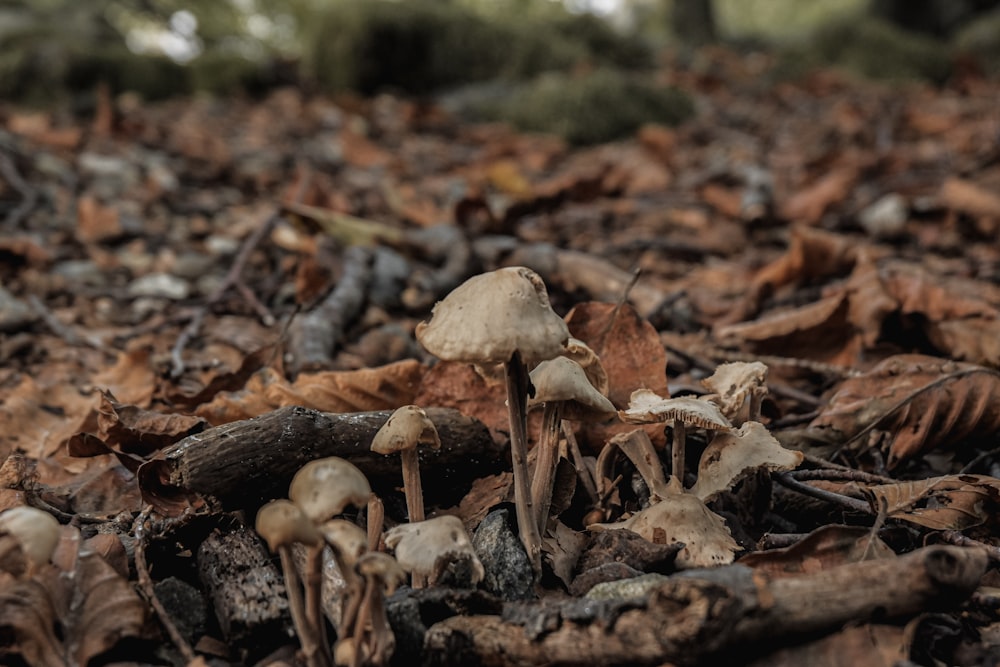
624,589
508,571
185,605
885,218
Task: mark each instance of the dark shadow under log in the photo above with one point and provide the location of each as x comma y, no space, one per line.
244,464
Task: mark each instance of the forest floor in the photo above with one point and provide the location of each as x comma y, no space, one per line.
831,243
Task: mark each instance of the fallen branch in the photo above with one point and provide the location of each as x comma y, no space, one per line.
246,463
701,615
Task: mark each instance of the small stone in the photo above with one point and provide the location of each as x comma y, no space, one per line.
602,573
160,285
508,571
886,218
624,589
185,606
14,313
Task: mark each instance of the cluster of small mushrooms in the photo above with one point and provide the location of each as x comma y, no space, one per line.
504,317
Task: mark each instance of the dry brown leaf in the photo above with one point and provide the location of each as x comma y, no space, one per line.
561,548
94,221
486,493
381,388
809,204
632,356
972,199
952,502
37,418
733,455
824,548
70,612
132,379
915,403
857,646
812,254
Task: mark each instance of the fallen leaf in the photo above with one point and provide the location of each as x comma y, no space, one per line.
826,547
952,502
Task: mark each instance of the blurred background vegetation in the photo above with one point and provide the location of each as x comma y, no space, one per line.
54,51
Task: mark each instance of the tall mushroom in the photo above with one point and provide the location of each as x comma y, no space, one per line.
564,389
405,430
503,316
323,489
281,523
347,542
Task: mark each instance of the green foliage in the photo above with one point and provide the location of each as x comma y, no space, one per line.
980,38
420,46
873,48
601,106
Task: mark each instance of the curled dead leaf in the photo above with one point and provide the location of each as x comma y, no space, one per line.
952,502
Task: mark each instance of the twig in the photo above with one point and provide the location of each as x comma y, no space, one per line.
958,539
583,472
232,279
148,591
851,504
64,331
29,196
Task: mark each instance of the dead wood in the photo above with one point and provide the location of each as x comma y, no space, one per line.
246,590
698,615
246,463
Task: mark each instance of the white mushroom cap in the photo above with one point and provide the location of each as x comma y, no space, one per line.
419,546
490,316
407,427
563,379
591,364
647,407
36,531
325,487
281,522
347,538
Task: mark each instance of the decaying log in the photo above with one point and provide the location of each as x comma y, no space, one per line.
246,590
697,615
247,463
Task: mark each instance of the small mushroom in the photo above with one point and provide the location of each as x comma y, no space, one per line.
729,457
503,316
34,532
563,387
591,364
646,407
739,387
429,547
373,635
281,523
347,542
405,430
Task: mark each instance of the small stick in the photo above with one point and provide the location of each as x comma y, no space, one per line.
149,592
851,504
583,472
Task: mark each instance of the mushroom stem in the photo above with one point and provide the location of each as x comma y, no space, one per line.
413,490
296,607
545,463
314,598
381,642
517,380
375,521
585,473
677,450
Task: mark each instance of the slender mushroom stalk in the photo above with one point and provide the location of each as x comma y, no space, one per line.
503,316
678,450
281,523
347,542
562,385
375,520
406,429
322,489
382,575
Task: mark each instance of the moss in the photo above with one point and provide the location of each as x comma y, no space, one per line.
981,39
601,106
422,46
875,49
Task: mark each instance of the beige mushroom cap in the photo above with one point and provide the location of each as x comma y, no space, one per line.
591,364
563,379
647,407
407,427
418,546
325,487
490,316
281,522
347,538
36,531
383,567
730,456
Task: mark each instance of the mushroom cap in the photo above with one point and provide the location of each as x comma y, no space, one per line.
325,487
647,407
347,538
490,316
383,567
730,457
732,382
591,364
281,522
418,546
562,379
36,531
406,428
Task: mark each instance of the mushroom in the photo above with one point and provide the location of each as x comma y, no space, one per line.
503,316
382,575
563,387
323,489
738,387
33,532
646,407
281,523
347,542
429,547
730,457
406,429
